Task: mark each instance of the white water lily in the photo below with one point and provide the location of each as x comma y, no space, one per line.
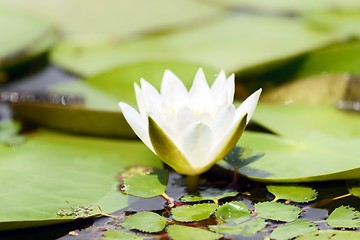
189,130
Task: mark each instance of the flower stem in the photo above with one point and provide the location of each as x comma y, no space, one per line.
192,183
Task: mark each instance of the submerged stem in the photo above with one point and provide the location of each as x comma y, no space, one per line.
192,183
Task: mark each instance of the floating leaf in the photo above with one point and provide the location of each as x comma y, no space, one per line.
97,23
30,36
247,228
344,217
293,229
239,157
52,171
146,185
212,194
277,211
9,133
331,235
294,193
149,222
354,187
259,41
178,232
335,59
116,234
190,213
329,148
233,212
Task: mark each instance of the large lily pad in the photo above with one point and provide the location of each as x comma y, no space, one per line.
24,36
51,172
93,21
313,143
233,43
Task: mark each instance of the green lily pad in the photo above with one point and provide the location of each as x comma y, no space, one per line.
295,193
344,217
178,232
331,235
146,185
28,35
335,59
191,213
212,194
233,212
283,6
50,172
311,144
277,211
354,187
115,234
259,43
247,228
148,222
96,24
293,229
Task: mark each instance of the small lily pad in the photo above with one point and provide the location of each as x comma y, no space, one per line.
344,217
293,229
331,235
233,212
178,232
212,194
277,211
191,213
294,193
354,187
146,185
247,228
116,234
148,222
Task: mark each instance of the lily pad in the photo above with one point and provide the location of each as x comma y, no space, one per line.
247,228
96,24
344,217
28,35
233,212
148,222
259,42
213,194
310,144
178,232
51,172
331,235
191,213
293,229
295,193
277,211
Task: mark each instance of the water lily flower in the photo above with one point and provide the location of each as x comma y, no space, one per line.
189,130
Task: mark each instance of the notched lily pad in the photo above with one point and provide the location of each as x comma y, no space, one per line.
247,228
146,185
212,194
277,211
148,222
344,217
178,232
331,235
116,234
293,229
354,187
294,193
191,213
233,212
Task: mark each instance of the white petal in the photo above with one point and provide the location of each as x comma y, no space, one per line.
184,118
223,121
140,100
151,96
173,91
200,95
137,122
196,143
248,106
